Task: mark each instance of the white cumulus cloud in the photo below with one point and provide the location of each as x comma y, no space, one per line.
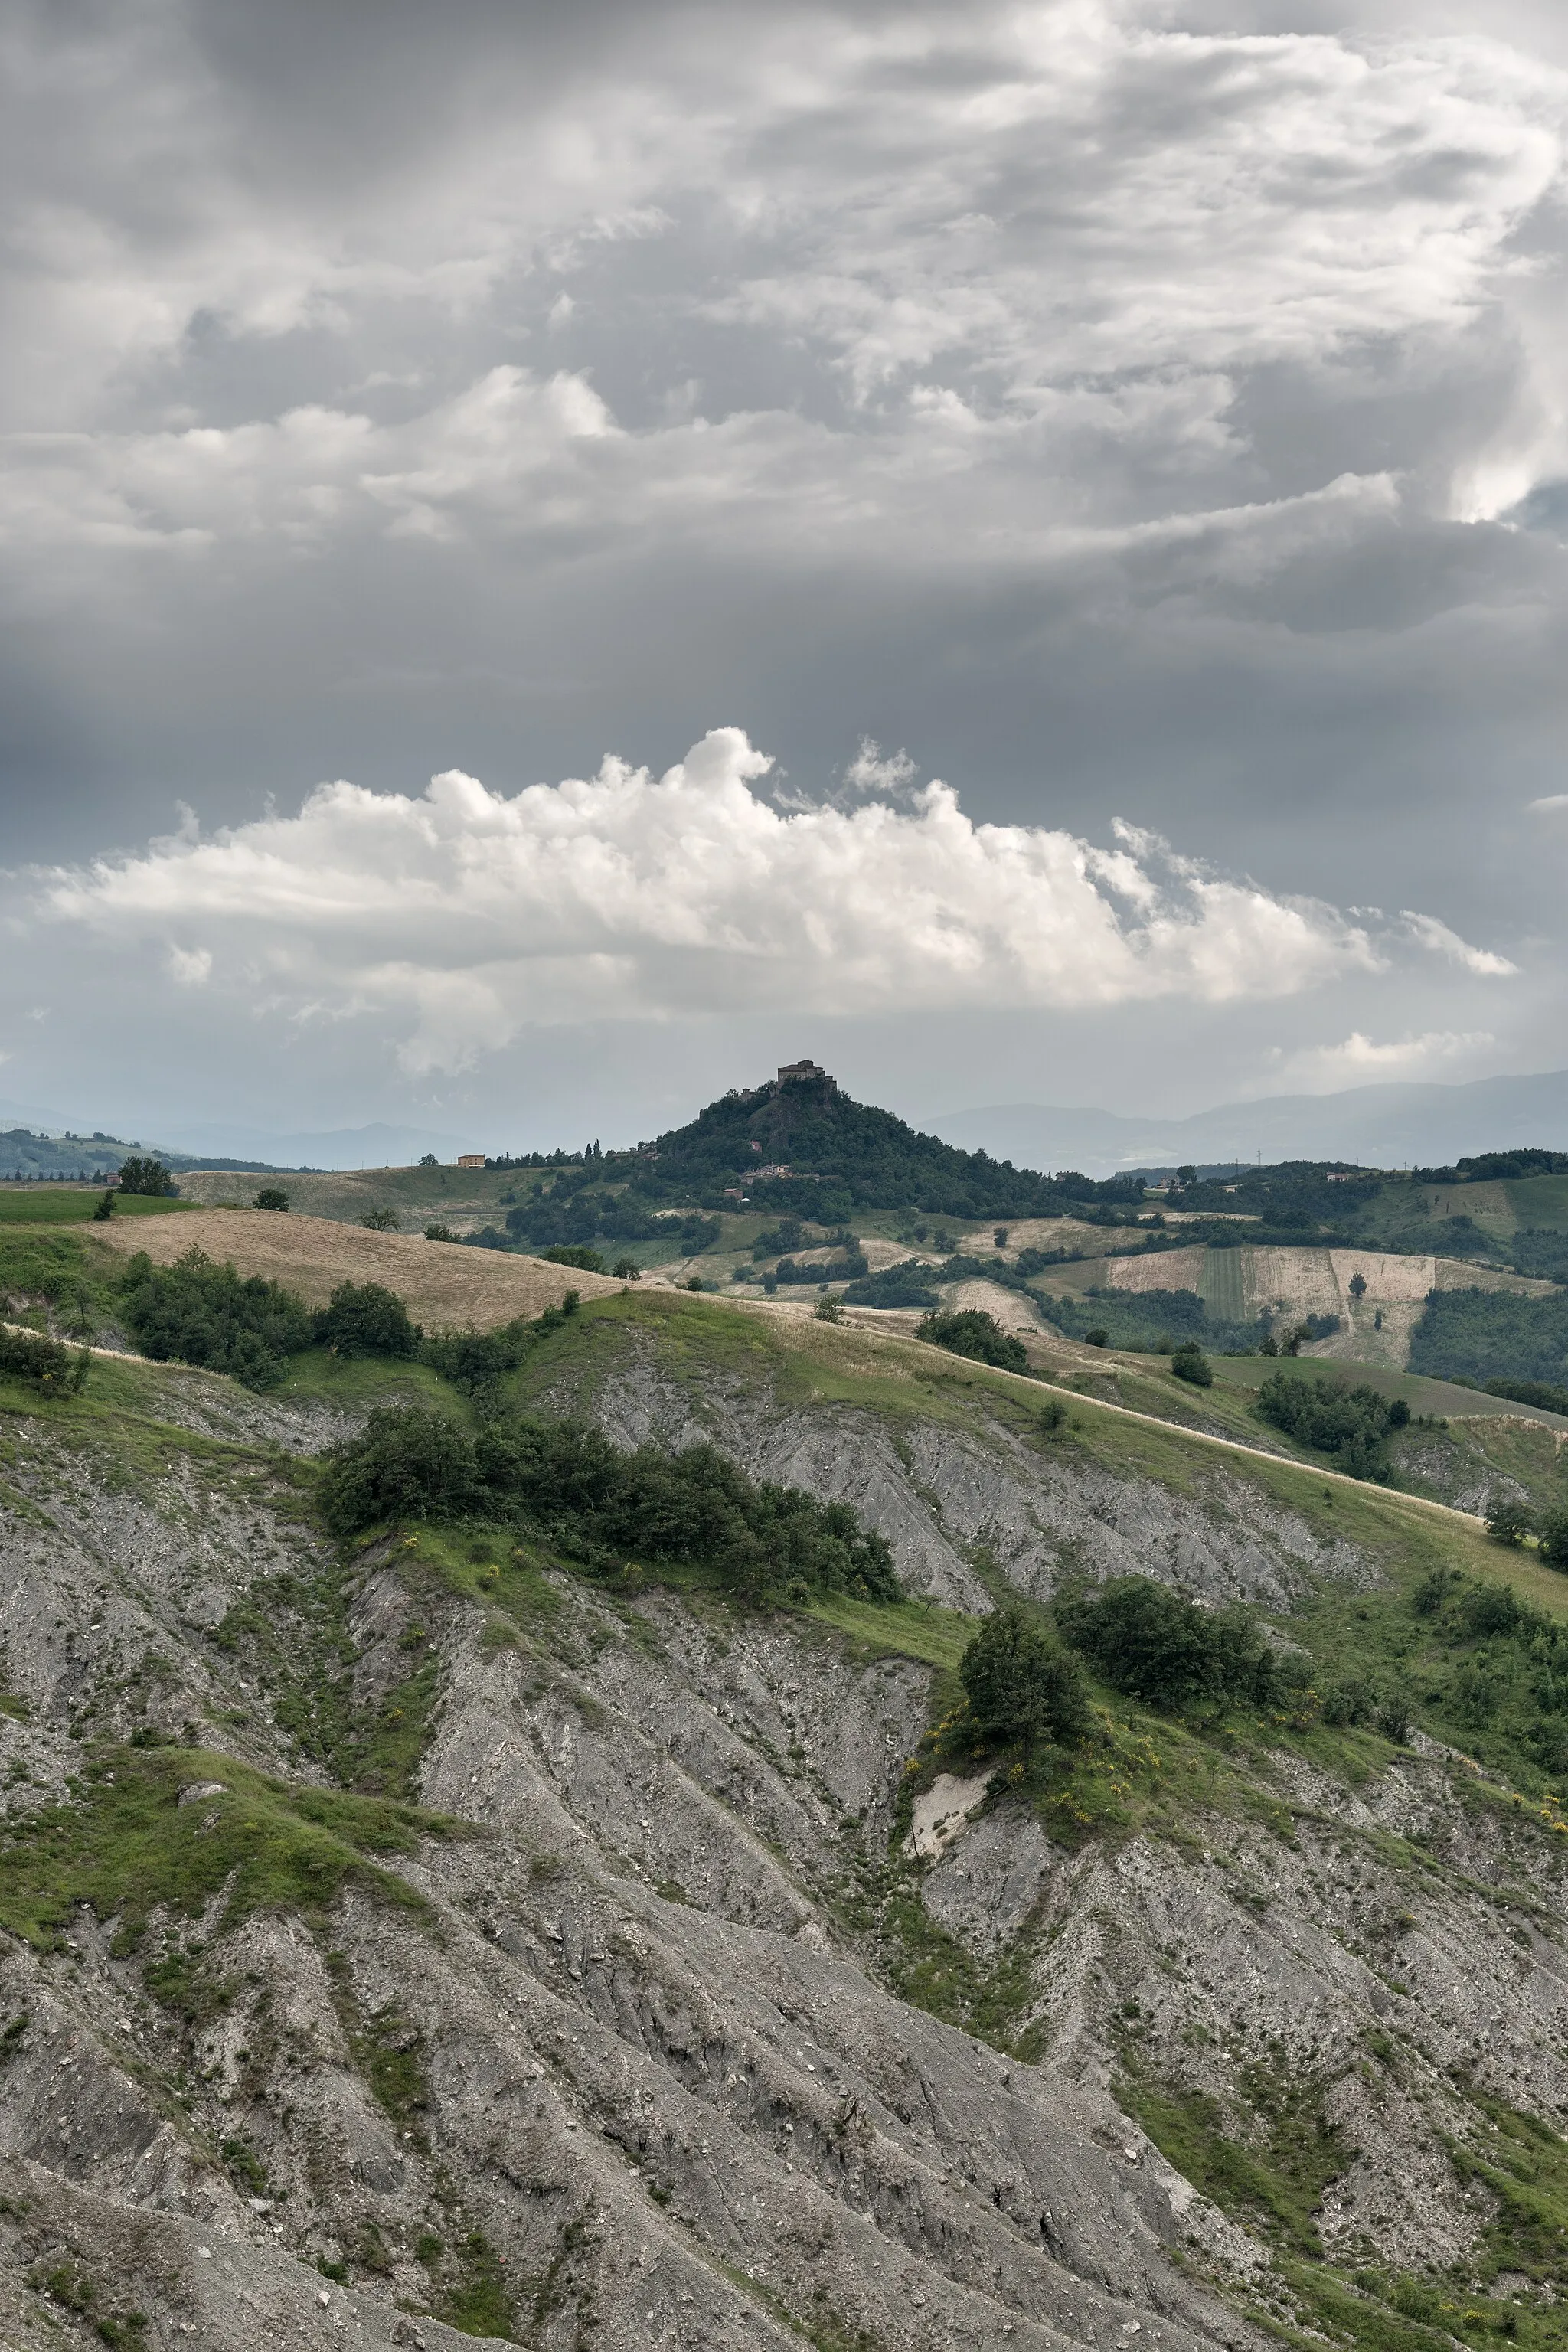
1440,940
1359,1060
460,918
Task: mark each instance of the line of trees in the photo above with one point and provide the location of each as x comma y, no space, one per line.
612,1512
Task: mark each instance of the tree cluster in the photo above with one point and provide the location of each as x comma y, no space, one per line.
969,1331
198,1312
1158,1646
1352,1424
1480,1336
569,1487
148,1178
1510,1519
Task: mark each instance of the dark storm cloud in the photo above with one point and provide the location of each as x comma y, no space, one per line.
1132,410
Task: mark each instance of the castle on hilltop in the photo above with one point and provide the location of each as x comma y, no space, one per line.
801,1070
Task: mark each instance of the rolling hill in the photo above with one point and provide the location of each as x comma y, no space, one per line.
437,1933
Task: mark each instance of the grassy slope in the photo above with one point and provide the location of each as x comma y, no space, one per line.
1536,1201
698,1343
70,1204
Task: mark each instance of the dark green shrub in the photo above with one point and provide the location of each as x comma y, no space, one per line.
1097,1338
366,1318
1352,1423
195,1312
969,1331
1545,1394
577,1254
1508,1520
475,1362
1551,1535
1158,1646
404,1463
55,1370
273,1197
1023,1688
1190,1363
104,1210
908,1285
568,1483
146,1177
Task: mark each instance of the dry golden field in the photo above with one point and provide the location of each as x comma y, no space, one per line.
1180,1269
445,1287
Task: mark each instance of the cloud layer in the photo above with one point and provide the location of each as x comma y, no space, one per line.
460,918
1139,405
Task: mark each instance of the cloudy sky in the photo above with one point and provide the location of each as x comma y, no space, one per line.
554,556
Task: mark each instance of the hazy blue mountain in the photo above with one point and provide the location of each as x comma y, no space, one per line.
377,1146
1380,1125
196,1141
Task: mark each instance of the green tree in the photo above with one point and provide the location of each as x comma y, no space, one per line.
577,1254
1160,1647
53,1369
439,1234
1023,1688
627,1269
969,1331
404,1463
1509,1519
273,1197
379,1221
199,1313
1190,1363
104,1210
148,1178
1551,1535
1358,1286
366,1318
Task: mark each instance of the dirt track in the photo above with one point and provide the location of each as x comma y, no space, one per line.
444,1286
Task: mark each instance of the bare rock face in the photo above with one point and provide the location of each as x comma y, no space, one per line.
670,2022
951,1491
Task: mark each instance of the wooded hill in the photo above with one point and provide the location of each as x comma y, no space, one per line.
843,1155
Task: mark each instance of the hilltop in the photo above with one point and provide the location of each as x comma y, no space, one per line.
799,1141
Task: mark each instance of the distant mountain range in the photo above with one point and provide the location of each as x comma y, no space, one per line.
1381,1127
207,1143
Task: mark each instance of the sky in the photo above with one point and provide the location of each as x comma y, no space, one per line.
555,557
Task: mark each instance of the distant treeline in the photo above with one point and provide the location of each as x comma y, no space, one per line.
1480,1336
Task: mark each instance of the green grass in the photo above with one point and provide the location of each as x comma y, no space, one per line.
901,1629
365,1381
479,2302
70,1204
1272,2181
125,1847
1222,1287
37,1263
1539,1201
291,1631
